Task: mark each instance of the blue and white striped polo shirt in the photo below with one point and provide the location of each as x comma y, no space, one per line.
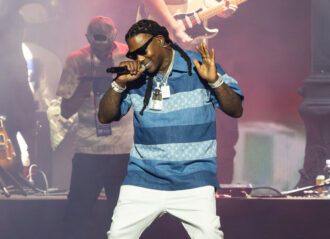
175,148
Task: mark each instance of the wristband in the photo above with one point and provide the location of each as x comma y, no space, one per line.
217,83
117,87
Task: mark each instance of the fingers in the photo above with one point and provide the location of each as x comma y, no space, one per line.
132,66
203,50
140,71
206,51
135,69
196,63
207,68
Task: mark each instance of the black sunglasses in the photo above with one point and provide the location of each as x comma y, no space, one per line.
140,51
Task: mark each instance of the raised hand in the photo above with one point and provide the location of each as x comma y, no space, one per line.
207,70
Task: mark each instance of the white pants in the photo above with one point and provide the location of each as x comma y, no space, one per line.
138,207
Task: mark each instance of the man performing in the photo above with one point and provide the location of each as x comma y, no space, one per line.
172,167
166,13
101,151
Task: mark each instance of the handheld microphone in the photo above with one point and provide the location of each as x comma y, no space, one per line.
121,70
118,70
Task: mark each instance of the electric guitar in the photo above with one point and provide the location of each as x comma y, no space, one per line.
7,151
193,16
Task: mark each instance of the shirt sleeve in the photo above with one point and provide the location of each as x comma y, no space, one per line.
125,104
228,80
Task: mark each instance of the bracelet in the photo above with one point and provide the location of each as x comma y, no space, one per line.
117,87
218,82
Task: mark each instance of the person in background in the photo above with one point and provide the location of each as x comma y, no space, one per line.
101,151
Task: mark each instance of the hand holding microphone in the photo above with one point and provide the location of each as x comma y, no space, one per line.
127,71
120,70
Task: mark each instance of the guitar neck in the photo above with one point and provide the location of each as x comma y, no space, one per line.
213,11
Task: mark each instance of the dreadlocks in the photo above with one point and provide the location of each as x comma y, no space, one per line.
153,28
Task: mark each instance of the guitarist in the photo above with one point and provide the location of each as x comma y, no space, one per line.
159,11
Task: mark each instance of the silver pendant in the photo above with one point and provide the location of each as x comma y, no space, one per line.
166,93
156,102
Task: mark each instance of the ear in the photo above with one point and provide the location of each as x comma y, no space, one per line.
161,40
